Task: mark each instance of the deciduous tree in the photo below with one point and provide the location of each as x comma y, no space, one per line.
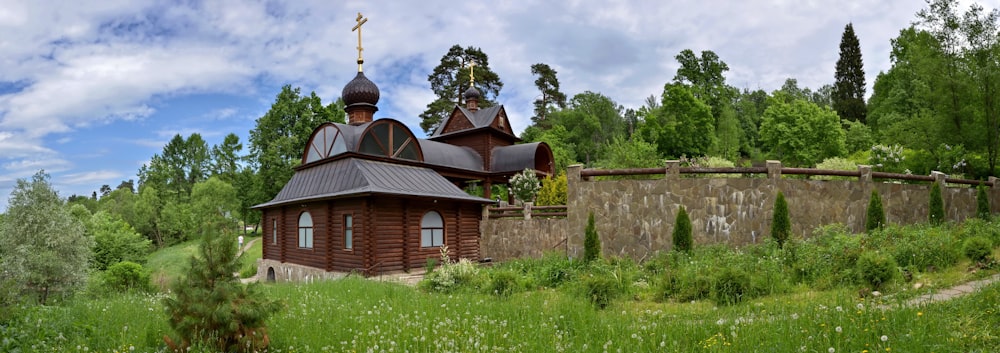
43,249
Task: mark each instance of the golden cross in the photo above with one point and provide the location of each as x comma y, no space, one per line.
361,20
472,72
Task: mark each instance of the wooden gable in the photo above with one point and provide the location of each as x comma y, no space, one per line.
457,122
500,122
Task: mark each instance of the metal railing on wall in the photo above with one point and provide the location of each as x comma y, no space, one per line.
526,212
774,170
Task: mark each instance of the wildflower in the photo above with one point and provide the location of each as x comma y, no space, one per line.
839,329
884,338
861,306
831,350
795,316
920,313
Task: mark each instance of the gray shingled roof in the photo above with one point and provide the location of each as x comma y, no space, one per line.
480,118
352,176
514,158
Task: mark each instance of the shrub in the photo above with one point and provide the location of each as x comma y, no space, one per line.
525,185
924,248
936,214
126,275
591,241
682,231
978,249
451,277
600,290
502,283
731,285
978,227
876,269
982,203
553,191
781,226
837,163
876,216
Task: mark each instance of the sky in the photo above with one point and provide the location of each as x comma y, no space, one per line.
90,91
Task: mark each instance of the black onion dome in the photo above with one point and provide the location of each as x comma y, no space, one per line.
472,93
360,90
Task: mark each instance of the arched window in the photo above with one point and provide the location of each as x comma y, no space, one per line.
305,230
431,230
392,139
326,141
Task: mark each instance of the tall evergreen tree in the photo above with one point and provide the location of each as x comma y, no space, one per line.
451,78
849,89
548,84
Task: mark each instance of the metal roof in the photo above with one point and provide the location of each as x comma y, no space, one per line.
514,158
353,176
448,155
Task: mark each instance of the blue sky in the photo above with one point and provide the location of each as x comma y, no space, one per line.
90,91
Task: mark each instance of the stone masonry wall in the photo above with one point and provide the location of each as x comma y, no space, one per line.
635,218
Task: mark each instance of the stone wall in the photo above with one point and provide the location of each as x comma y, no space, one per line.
508,238
635,218
289,272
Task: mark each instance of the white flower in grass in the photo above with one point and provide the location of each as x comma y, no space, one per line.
884,338
831,350
839,329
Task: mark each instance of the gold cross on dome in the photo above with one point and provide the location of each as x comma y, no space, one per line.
361,20
472,71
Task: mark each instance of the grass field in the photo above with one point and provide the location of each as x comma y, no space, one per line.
356,315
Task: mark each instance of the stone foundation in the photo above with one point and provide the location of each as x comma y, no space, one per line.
277,271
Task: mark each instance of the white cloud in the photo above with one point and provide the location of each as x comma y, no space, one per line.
89,178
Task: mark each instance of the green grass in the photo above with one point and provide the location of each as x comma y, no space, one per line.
248,261
168,264
361,315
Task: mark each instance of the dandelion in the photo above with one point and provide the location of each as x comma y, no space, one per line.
831,350
795,316
861,306
920,313
884,338
839,329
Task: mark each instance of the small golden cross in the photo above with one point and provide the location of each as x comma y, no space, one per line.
472,72
361,20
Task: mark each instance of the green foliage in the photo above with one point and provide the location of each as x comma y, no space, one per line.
558,139
525,185
601,290
919,247
801,133
682,125
978,249
936,214
591,241
781,226
837,163
127,275
731,286
887,158
849,91
451,78
209,306
591,120
858,136
115,241
503,284
876,269
622,152
43,249
682,231
452,277
554,191
875,217
982,203
214,205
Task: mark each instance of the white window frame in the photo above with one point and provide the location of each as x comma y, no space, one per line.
349,231
431,230
305,230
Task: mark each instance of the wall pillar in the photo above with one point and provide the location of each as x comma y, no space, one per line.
673,169
939,177
576,210
866,174
774,170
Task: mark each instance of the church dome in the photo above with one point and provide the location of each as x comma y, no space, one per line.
360,90
472,93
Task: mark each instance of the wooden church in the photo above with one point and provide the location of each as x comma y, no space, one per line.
370,197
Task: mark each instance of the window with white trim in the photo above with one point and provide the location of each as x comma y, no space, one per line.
305,230
274,231
348,232
431,230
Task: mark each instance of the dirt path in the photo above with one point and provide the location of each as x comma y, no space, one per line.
953,292
246,246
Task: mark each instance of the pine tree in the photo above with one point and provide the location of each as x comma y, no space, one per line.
211,307
936,214
876,216
682,231
781,226
982,203
591,241
849,88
